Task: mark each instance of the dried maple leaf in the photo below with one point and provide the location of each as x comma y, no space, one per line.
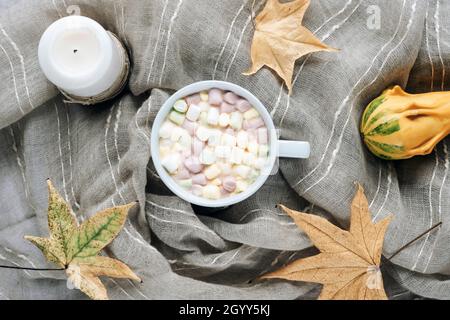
76,247
280,39
349,263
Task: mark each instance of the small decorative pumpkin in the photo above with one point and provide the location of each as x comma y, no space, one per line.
398,125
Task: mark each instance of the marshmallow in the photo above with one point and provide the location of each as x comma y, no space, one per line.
215,97
254,174
224,120
228,140
187,184
252,136
190,126
208,156
212,172
187,152
203,133
237,155
263,151
230,97
217,182
180,106
253,148
193,164
263,136
226,108
197,147
166,130
164,151
250,114
242,139
254,123
197,190
199,179
229,183
242,171
176,148
165,143
171,162
230,131
215,137
183,174
203,118
176,134
243,105
204,106
260,163
249,158
224,192
226,168
186,140
236,120
194,99
211,192
193,113
241,186
176,117
222,151
204,96
213,116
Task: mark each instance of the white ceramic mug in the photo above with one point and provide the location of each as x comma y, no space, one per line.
278,148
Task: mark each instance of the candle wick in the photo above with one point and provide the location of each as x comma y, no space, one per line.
75,51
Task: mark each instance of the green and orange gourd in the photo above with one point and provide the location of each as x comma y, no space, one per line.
398,125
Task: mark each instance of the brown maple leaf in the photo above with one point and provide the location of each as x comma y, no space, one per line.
349,263
280,39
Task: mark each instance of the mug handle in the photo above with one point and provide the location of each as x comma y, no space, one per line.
294,149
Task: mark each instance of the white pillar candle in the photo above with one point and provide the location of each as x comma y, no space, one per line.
81,58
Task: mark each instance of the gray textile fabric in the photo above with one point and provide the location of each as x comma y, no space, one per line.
100,156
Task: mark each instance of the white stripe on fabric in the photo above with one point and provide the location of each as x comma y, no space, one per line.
388,190
446,166
341,136
56,8
380,169
344,102
22,63
187,213
430,204
163,14
108,124
14,79
24,258
61,153
21,168
438,39
69,147
244,29
224,45
333,29
121,289
2,257
169,33
427,40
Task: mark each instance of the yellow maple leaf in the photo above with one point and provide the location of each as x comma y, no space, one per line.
349,263
280,39
76,247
